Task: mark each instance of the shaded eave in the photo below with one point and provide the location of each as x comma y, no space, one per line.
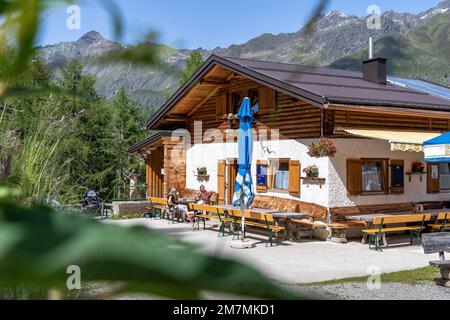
372,102
142,145
237,68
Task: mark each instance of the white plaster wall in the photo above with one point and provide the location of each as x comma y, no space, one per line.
334,192
364,148
207,155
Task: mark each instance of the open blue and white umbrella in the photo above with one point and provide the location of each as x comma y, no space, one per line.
243,194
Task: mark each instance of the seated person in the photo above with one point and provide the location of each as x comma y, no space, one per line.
172,198
203,196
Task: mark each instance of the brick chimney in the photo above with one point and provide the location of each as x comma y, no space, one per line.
375,70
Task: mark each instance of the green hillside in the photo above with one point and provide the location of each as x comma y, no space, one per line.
423,52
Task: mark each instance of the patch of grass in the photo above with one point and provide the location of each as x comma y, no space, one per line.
412,277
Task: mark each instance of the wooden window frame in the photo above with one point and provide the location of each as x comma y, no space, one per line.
384,176
271,176
359,179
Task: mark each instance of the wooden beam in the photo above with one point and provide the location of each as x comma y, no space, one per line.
201,103
230,77
390,110
176,118
213,81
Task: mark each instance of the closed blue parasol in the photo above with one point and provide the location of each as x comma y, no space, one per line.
243,195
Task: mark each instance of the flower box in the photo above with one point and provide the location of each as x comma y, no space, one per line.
322,148
311,172
417,167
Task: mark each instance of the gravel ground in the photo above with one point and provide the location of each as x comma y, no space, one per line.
388,291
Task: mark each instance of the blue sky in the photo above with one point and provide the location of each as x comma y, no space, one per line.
205,23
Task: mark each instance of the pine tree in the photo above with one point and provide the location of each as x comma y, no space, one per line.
193,63
128,122
90,146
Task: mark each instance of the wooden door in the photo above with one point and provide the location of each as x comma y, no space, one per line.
221,168
232,170
155,177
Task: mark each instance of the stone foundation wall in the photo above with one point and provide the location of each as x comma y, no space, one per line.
123,208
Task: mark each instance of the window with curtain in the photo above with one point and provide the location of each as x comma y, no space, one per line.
279,175
373,176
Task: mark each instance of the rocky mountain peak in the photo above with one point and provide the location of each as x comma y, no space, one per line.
335,14
443,4
442,7
334,18
92,37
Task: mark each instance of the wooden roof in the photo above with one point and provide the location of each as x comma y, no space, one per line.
318,86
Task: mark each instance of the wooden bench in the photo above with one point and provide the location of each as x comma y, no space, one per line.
383,221
203,213
442,222
256,220
439,243
161,207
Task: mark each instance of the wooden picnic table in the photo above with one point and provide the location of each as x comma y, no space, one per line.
368,218
284,219
281,218
290,215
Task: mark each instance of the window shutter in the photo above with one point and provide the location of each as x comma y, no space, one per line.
294,178
267,98
221,104
354,177
221,165
397,176
261,188
433,183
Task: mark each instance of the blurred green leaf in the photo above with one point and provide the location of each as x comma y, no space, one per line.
46,243
317,13
148,53
8,193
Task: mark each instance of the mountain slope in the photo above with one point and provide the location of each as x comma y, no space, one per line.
147,85
422,52
337,35
416,45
